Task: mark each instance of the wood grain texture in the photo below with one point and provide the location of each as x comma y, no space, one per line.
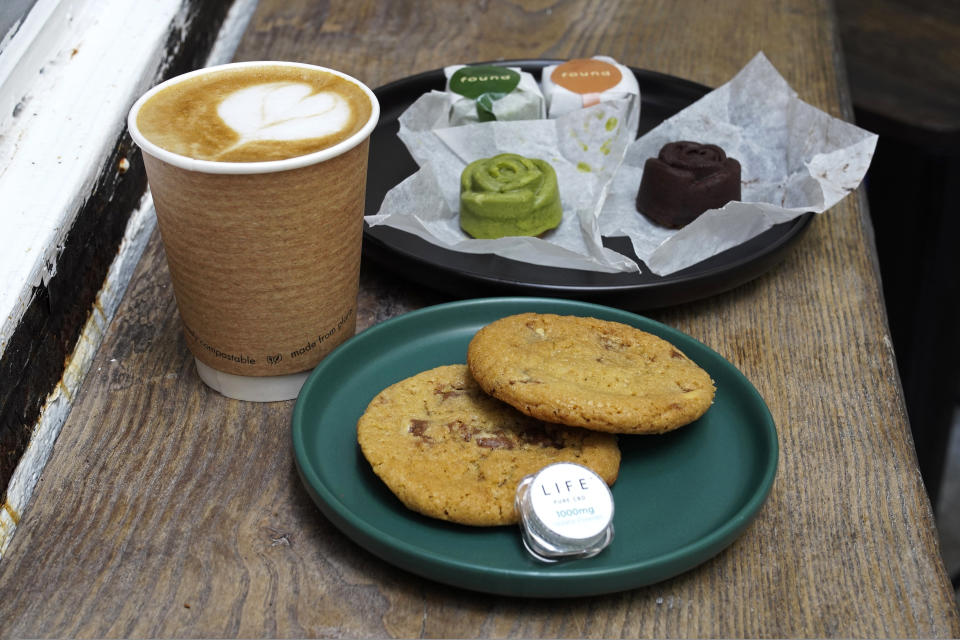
904,61
170,511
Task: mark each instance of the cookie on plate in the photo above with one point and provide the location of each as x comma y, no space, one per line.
590,373
450,451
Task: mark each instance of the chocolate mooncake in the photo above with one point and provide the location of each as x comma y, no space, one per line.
684,180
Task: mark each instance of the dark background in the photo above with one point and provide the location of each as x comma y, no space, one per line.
903,64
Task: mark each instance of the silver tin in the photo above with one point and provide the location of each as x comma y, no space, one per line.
566,511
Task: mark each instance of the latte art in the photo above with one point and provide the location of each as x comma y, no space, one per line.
254,114
284,111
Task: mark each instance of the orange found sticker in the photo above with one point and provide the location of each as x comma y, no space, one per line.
586,75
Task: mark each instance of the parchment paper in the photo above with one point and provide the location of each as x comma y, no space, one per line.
794,159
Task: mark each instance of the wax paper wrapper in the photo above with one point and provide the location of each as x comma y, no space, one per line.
561,100
524,102
794,159
584,147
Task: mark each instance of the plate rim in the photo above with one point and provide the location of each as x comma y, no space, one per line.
420,561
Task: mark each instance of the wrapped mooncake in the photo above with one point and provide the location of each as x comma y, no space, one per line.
584,82
489,92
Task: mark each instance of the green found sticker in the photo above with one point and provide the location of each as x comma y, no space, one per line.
484,85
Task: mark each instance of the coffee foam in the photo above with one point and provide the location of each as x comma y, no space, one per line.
254,114
284,111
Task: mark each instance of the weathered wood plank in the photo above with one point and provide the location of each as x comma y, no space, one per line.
170,511
904,62
33,355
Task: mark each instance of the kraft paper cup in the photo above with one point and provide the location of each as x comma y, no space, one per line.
264,257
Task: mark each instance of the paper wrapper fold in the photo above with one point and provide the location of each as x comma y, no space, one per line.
794,157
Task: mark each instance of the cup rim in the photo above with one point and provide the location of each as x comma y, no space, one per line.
265,166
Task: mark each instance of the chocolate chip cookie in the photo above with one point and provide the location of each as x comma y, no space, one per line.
448,450
590,373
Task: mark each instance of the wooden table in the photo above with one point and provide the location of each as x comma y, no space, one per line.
167,510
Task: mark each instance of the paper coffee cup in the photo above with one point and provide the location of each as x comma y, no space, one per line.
263,250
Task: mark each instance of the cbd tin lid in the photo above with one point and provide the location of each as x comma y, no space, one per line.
566,511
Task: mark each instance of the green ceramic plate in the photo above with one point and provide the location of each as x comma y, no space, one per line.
680,498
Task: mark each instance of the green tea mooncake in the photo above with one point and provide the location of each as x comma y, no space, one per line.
509,195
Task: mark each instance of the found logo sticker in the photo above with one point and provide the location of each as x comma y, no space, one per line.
484,85
586,76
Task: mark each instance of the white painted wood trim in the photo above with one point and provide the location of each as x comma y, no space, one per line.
75,68
68,77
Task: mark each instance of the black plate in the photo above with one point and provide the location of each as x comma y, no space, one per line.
469,275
